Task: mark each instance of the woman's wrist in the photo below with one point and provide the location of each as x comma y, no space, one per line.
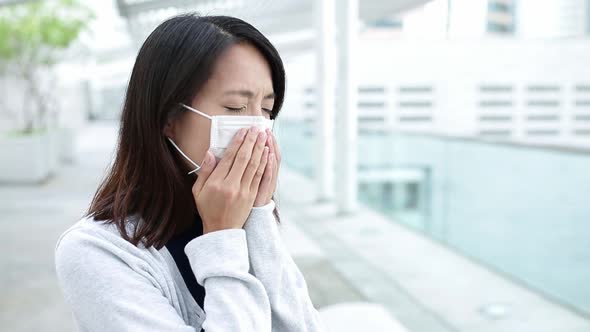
207,230
270,205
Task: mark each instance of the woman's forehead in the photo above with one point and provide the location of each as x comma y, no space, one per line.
241,68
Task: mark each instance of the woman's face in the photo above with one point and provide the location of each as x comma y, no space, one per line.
240,84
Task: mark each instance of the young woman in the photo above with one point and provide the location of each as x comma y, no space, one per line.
171,244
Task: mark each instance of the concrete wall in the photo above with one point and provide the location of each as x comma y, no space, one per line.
500,89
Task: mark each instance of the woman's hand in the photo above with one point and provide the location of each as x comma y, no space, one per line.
224,194
268,185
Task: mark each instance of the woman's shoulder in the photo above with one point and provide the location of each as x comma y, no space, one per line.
94,264
88,230
91,253
96,239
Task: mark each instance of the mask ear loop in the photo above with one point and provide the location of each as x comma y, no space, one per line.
196,111
197,167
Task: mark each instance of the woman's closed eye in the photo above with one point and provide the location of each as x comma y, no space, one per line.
234,109
241,109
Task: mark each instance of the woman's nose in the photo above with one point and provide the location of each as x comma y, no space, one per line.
257,111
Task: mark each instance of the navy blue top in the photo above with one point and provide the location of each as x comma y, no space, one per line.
176,248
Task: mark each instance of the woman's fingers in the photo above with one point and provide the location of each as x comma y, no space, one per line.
261,174
207,167
228,157
275,149
268,183
270,141
255,160
243,156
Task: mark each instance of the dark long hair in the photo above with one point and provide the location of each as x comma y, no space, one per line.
146,179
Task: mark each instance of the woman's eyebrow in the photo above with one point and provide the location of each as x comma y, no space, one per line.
247,94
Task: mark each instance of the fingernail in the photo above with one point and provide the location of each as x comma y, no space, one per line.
262,136
208,158
243,132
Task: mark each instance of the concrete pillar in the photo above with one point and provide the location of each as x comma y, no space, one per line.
347,28
325,47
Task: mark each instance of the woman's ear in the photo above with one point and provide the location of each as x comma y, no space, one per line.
169,129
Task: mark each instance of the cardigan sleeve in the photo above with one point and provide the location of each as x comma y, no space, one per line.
271,263
235,300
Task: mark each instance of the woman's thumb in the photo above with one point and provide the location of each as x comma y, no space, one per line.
207,167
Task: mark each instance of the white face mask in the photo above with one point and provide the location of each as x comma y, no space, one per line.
223,130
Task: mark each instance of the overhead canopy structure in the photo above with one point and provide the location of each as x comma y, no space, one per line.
274,18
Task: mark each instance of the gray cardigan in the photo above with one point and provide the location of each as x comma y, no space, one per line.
250,280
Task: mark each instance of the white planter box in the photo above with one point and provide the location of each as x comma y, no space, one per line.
27,159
